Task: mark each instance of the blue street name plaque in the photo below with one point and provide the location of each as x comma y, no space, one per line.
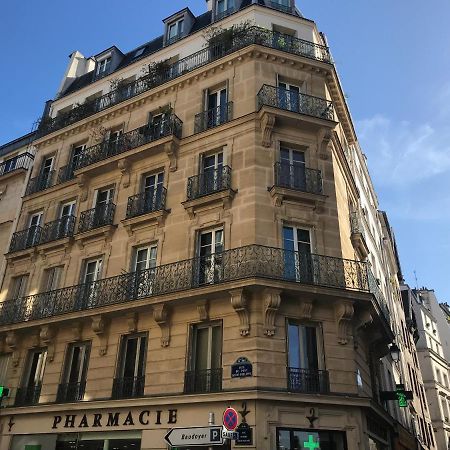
242,368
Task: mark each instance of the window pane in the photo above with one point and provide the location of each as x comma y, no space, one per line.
303,236
293,342
216,351
288,238
130,358
201,349
141,362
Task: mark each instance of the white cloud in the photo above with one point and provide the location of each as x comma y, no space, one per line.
401,154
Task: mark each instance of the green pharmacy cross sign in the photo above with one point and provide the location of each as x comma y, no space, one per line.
400,395
401,398
311,445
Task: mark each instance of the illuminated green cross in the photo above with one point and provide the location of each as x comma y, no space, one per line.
311,444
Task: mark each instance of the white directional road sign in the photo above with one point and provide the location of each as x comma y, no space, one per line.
194,436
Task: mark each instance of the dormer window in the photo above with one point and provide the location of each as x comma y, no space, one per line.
103,66
281,5
224,8
175,31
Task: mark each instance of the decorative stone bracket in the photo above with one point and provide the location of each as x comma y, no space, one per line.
171,150
306,307
124,167
344,312
324,139
272,301
100,327
132,322
77,330
11,342
82,184
47,339
161,316
267,124
203,310
239,303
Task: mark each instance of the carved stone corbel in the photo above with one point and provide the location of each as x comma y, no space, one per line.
101,329
132,322
267,124
161,316
364,318
171,150
11,342
82,184
305,309
203,310
324,139
124,167
47,338
239,304
272,301
344,312
77,331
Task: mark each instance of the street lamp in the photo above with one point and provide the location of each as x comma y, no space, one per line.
395,352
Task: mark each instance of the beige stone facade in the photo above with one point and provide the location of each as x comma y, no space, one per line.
213,235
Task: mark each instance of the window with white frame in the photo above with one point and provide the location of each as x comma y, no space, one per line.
175,30
210,247
297,254
103,66
18,286
51,278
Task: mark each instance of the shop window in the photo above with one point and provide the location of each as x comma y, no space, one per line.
295,439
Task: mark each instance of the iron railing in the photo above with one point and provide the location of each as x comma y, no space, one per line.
298,177
203,381
66,173
28,395
279,6
222,46
146,202
97,217
278,97
130,387
40,183
172,125
24,239
252,261
308,381
222,14
208,182
23,161
213,117
58,229
70,392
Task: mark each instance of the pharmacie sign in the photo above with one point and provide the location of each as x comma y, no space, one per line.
123,420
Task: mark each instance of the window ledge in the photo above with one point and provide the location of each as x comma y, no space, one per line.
104,232
157,218
280,195
222,198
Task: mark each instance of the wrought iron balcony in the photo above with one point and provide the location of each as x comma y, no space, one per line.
252,261
97,217
40,183
128,141
209,182
66,173
298,177
21,240
146,202
203,381
222,14
308,381
213,117
58,229
131,387
277,97
28,395
222,46
23,161
70,392
280,6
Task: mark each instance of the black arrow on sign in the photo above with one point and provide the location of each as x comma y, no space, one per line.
166,437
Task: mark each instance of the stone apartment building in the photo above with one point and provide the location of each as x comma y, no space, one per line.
192,204
433,354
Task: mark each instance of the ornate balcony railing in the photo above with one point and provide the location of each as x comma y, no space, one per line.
146,202
213,117
40,183
308,381
222,46
70,392
96,217
66,173
208,182
131,387
28,395
23,161
203,381
252,261
298,177
58,229
308,105
222,14
24,239
127,141
280,7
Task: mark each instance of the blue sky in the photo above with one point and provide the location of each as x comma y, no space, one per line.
393,59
